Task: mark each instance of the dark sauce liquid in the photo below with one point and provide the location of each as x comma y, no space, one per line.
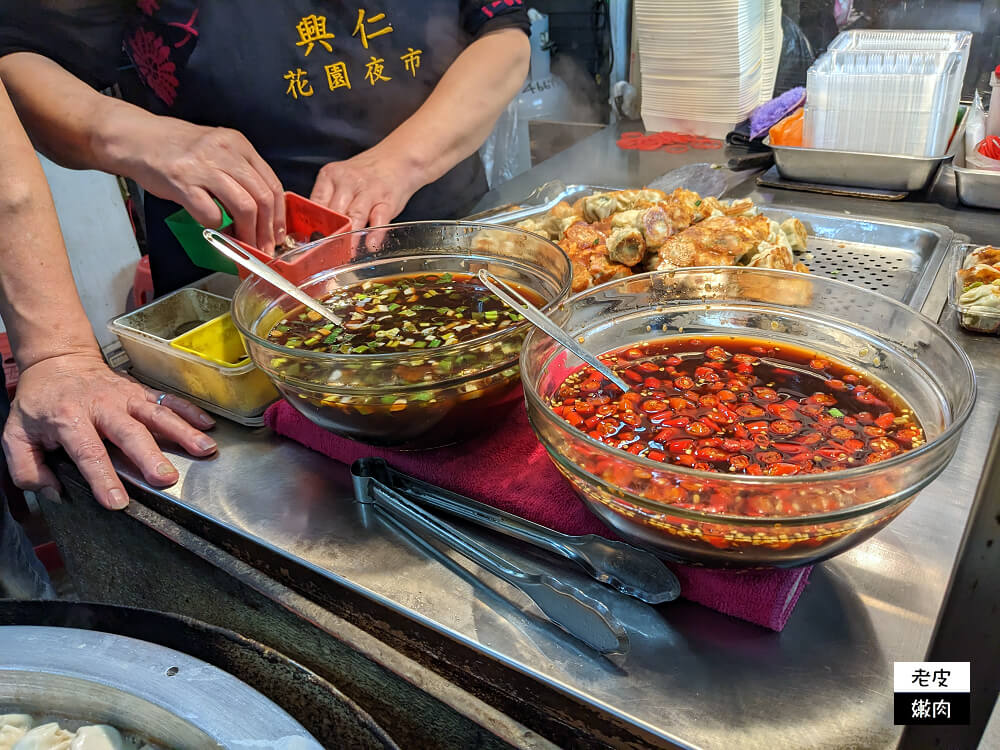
739,405
402,313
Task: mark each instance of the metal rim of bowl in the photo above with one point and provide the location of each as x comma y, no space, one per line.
136,671
956,425
452,349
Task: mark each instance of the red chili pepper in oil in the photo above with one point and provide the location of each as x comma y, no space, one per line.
738,406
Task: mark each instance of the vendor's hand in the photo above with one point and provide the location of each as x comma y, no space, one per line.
370,188
75,401
192,164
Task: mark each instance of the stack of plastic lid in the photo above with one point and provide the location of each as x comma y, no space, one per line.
706,63
886,92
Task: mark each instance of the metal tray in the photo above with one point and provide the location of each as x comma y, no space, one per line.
893,258
772,178
856,169
976,187
538,201
253,420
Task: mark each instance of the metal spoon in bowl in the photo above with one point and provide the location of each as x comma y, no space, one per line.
516,301
241,257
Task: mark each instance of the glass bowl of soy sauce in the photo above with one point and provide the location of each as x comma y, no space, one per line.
774,418
424,355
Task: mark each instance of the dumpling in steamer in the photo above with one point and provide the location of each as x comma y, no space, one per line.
97,737
45,737
12,728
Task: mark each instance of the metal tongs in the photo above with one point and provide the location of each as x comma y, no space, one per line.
580,615
632,571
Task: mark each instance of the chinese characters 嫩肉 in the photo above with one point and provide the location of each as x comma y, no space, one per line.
924,708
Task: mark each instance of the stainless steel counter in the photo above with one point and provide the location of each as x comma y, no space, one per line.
694,678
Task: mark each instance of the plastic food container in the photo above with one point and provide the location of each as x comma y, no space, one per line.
188,234
305,221
900,39
974,319
892,101
976,187
187,342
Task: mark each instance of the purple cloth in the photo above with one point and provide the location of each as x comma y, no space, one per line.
537,491
769,114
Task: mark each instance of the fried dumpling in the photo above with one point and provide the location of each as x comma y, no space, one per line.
600,207
739,207
627,246
583,235
796,233
716,241
656,227
613,234
602,269
772,256
581,275
651,222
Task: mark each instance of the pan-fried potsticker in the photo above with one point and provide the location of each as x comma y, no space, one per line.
611,235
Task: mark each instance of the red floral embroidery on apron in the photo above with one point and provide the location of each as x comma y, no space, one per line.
152,59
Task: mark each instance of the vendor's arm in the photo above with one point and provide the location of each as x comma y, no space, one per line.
80,128
374,186
66,395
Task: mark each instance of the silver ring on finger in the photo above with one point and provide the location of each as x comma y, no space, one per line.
159,399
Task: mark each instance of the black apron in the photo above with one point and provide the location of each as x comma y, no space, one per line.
306,82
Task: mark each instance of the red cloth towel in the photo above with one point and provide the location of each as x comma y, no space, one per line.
514,473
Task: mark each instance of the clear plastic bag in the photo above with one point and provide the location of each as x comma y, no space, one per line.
975,129
501,151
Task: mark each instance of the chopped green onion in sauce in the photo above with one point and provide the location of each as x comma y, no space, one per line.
399,314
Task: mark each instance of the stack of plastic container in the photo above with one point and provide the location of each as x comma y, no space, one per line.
886,92
706,63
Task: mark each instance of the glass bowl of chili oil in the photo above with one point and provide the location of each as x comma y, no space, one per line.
775,418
